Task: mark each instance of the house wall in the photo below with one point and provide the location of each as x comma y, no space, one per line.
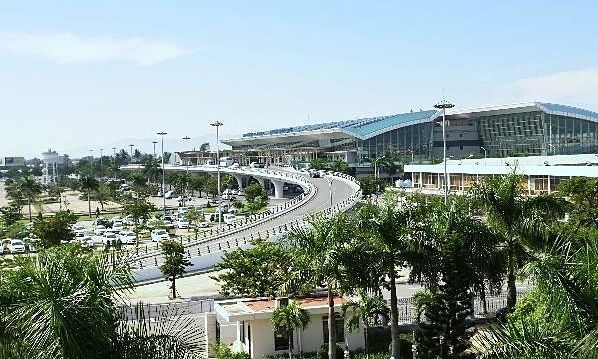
312,338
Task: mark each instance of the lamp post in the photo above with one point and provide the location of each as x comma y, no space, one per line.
114,160
154,142
131,145
484,148
329,178
91,162
444,105
186,138
217,124
101,164
163,185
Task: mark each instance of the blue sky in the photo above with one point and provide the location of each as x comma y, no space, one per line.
77,76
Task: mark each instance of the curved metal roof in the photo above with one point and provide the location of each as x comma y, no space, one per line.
363,128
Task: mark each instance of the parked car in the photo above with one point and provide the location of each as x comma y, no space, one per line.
204,224
228,197
183,223
78,228
127,237
99,230
109,237
159,235
183,209
30,243
84,239
14,246
168,194
117,227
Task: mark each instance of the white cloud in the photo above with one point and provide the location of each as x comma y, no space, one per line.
579,87
67,48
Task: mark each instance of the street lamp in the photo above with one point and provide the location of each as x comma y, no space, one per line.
186,174
131,145
91,162
154,142
101,164
330,179
444,105
114,160
163,185
217,124
484,148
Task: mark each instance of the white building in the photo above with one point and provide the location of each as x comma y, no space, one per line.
255,334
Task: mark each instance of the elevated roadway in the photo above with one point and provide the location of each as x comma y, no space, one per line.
334,193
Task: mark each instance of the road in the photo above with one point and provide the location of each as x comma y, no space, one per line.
319,200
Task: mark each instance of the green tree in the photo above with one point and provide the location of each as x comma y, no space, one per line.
174,262
287,318
340,166
53,229
582,193
30,189
194,217
88,184
520,220
370,185
366,310
259,271
56,192
64,303
317,249
256,198
11,214
395,227
317,164
197,183
140,211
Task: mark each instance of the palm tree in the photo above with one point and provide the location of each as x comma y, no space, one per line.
65,303
392,229
88,184
518,219
287,318
317,253
367,310
559,317
30,189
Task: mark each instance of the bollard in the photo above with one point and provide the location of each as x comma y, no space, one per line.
227,244
208,248
156,261
198,252
219,246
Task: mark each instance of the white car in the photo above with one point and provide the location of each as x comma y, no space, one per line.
78,228
159,235
15,246
183,209
183,223
117,227
109,237
204,224
99,230
127,237
85,240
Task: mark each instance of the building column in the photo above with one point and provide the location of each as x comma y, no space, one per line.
278,189
529,185
549,189
210,333
262,181
239,179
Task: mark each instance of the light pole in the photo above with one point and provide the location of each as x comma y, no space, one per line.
484,148
329,178
186,138
163,185
101,164
114,160
91,162
217,124
154,142
131,145
444,105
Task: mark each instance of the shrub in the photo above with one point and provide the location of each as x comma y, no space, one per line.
323,352
224,352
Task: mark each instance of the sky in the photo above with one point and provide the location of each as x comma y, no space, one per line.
77,76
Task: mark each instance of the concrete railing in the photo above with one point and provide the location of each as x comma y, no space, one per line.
207,252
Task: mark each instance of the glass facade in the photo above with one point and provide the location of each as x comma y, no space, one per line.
536,133
519,131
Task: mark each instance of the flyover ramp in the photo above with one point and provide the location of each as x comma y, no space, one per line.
206,252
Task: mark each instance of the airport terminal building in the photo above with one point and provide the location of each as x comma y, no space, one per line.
519,130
